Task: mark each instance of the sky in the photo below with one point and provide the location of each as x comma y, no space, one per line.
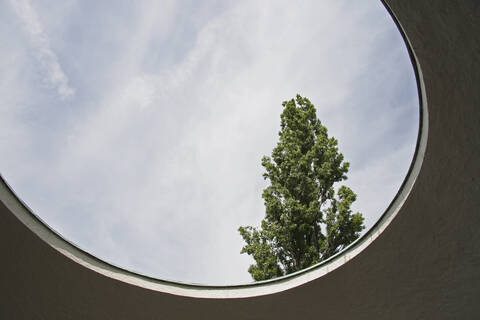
136,129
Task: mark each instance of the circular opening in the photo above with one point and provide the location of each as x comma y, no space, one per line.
136,131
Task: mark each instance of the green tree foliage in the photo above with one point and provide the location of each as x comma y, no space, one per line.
305,221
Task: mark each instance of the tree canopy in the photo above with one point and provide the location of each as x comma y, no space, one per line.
306,221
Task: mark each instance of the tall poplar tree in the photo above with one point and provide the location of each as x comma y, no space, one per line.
306,221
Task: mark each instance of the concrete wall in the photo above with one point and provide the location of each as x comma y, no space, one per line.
421,261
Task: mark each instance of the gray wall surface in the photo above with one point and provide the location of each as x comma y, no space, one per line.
421,261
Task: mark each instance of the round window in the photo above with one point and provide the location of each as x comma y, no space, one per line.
137,129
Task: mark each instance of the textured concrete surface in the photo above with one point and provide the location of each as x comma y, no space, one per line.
422,261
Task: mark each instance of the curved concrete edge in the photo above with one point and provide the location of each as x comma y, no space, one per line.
56,241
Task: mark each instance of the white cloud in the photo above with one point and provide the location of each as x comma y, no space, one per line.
54,76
